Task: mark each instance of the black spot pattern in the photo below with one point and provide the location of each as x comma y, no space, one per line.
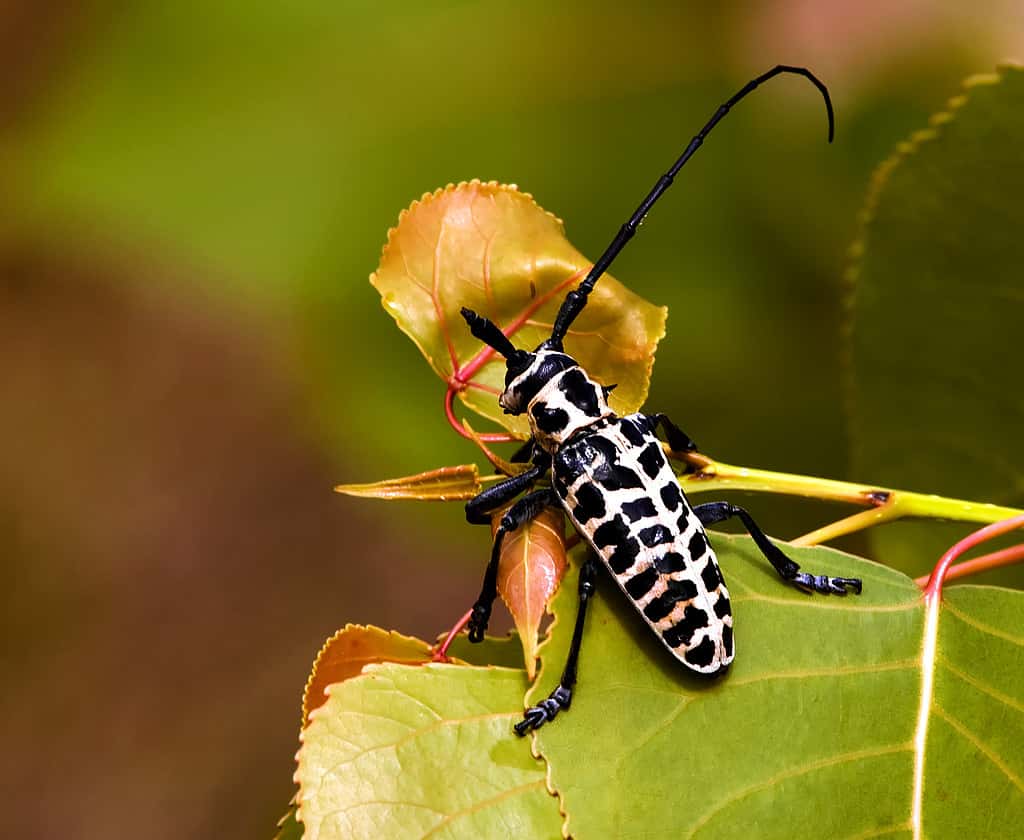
727,640
656,535
559,484
580,392
669,562
659,607
639,509
722,607
640,585
631,432
549,420
671,495
675,591
684,590
604,465
528,387
620,478
711,576
651,459
603,450
624,556
702,655
589,504
613,532
698,545
682,631
683,521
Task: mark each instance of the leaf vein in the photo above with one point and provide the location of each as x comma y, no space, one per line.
984,748
984,628
995,694
486,803
794,772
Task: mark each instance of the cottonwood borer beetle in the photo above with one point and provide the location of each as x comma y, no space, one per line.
611,476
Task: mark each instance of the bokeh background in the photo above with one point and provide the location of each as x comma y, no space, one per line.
191,198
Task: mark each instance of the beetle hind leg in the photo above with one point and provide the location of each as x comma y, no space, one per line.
788,570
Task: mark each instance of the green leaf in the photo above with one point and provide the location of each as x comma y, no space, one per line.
812,733
403,752
491,248
935,361
504,651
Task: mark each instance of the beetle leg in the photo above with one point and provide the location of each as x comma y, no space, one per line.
480,508
521,512
677,439
524,453
788,570
561,697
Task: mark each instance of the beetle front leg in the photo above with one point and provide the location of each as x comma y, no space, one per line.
523,511
561,697
480,507
788,570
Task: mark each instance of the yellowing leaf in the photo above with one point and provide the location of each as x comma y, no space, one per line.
492,248
441,485
344,655
417,752
531,567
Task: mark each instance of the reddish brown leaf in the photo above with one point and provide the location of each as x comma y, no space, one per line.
347,651
493,249
532,564
441,485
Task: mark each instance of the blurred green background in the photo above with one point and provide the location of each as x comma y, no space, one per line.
191,356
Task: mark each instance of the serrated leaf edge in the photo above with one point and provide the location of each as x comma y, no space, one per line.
539,680
487,187
876,186
329,641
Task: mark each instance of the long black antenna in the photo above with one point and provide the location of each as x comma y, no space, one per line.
577,299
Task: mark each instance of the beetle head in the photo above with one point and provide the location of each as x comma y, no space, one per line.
526,372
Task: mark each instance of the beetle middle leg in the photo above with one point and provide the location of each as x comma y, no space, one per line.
561,697
677,439
788,570
527,508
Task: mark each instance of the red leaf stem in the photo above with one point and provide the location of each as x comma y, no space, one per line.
461,377
441,654
456,423
995,560
933,588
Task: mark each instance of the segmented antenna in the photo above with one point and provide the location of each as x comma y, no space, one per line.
488,332
577,299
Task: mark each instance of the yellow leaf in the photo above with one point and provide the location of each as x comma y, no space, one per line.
441,485
491,248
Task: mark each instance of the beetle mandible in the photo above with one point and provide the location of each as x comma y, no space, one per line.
611,476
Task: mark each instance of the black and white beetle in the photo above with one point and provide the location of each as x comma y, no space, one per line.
611,476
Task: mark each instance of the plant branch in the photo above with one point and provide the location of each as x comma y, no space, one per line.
885,503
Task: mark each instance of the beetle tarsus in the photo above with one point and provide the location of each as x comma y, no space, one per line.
826,585
536,716
478,622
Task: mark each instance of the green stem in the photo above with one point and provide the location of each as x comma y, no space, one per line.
885,503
